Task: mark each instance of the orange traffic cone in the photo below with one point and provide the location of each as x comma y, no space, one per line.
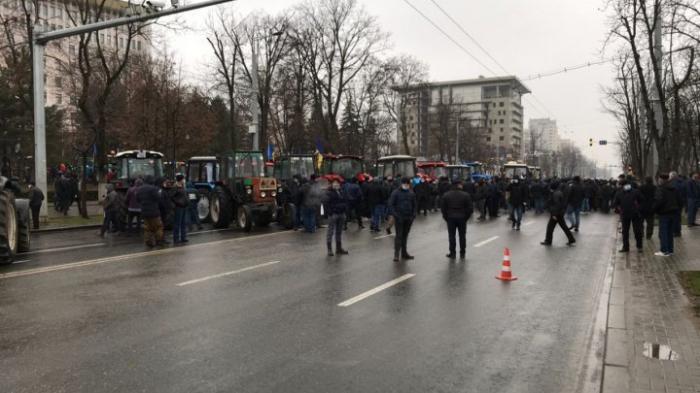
506,274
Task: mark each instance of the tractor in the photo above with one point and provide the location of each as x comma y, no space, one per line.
285,168
477,171
459,172
431,171
133,164
202,174
14,221
242,192
393,166
513,169
341,167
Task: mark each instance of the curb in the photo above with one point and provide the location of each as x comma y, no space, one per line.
67,228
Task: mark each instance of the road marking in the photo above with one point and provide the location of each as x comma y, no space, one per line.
22,261
487,241
376,290
529,223
383,237
119,258
246,269
69,248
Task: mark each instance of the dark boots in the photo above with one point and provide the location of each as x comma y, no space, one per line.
338,250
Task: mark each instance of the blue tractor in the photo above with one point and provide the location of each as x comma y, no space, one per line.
203,173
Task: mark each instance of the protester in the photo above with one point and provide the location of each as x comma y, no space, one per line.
376,200
628,202
336,207
36,198
557,208
354,196
648,191
149,197
180,204
456,207
403,207
574,202
110,204
517,196
133,207
667,204
310,195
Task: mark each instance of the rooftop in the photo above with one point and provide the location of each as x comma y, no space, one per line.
470,82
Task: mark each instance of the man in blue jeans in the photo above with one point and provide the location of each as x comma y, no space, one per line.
667,205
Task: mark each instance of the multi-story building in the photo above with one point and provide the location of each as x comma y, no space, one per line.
485,111
544,136
61,55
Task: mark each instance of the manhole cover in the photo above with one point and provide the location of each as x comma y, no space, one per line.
659,351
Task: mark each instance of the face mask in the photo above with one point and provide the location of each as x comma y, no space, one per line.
405,186
627,187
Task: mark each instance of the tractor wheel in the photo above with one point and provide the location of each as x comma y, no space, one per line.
9,231
245,218
204,206
24,224
287,216
220,209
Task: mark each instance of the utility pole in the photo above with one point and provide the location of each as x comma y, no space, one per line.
653,166
457,145
254,128
39,42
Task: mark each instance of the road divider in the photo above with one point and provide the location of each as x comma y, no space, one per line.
485,242
231,273
376,290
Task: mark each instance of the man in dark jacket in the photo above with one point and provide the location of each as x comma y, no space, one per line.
648,191
667,203
36,198
376,199
337,207
180,203
148,197
557,208
628,203
456,206
354,196
575,201
517,196
403,207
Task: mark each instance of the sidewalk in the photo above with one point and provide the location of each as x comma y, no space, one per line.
649,315
73,219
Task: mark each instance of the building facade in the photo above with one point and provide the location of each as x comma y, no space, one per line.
62,55
463,119
544,136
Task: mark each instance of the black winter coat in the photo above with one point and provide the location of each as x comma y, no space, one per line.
557,203
629,203
667,200
402,204
148,196
336,202
456,205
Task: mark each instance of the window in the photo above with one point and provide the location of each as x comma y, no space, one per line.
500,138
58,81
42,11
501,121
121,42
488,139
102,37
138,46
59,98
72,49
501,129
501,104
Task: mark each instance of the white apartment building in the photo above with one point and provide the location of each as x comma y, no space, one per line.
62,54
491,106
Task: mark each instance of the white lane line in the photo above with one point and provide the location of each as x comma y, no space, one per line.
126,257
487,241
68,248
376,290
383,237
246,269
22,261
529,223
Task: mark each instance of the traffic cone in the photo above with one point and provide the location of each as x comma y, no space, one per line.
506,274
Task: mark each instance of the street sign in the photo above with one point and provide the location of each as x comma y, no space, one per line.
603,142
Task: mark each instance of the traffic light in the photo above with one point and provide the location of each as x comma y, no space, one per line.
590,142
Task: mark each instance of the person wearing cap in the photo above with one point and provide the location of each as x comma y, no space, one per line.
456,207
403,207
557,208
628,203
180,202
337,208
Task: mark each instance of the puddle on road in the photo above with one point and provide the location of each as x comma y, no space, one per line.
659,351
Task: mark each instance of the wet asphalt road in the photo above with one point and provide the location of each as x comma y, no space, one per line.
260,313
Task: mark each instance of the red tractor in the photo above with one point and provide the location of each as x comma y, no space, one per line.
341,167
431,171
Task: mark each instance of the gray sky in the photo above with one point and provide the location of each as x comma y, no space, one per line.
527,37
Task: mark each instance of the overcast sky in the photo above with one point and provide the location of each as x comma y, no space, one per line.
526,37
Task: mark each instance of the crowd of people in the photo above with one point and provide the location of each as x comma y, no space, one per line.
394,202
391,204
